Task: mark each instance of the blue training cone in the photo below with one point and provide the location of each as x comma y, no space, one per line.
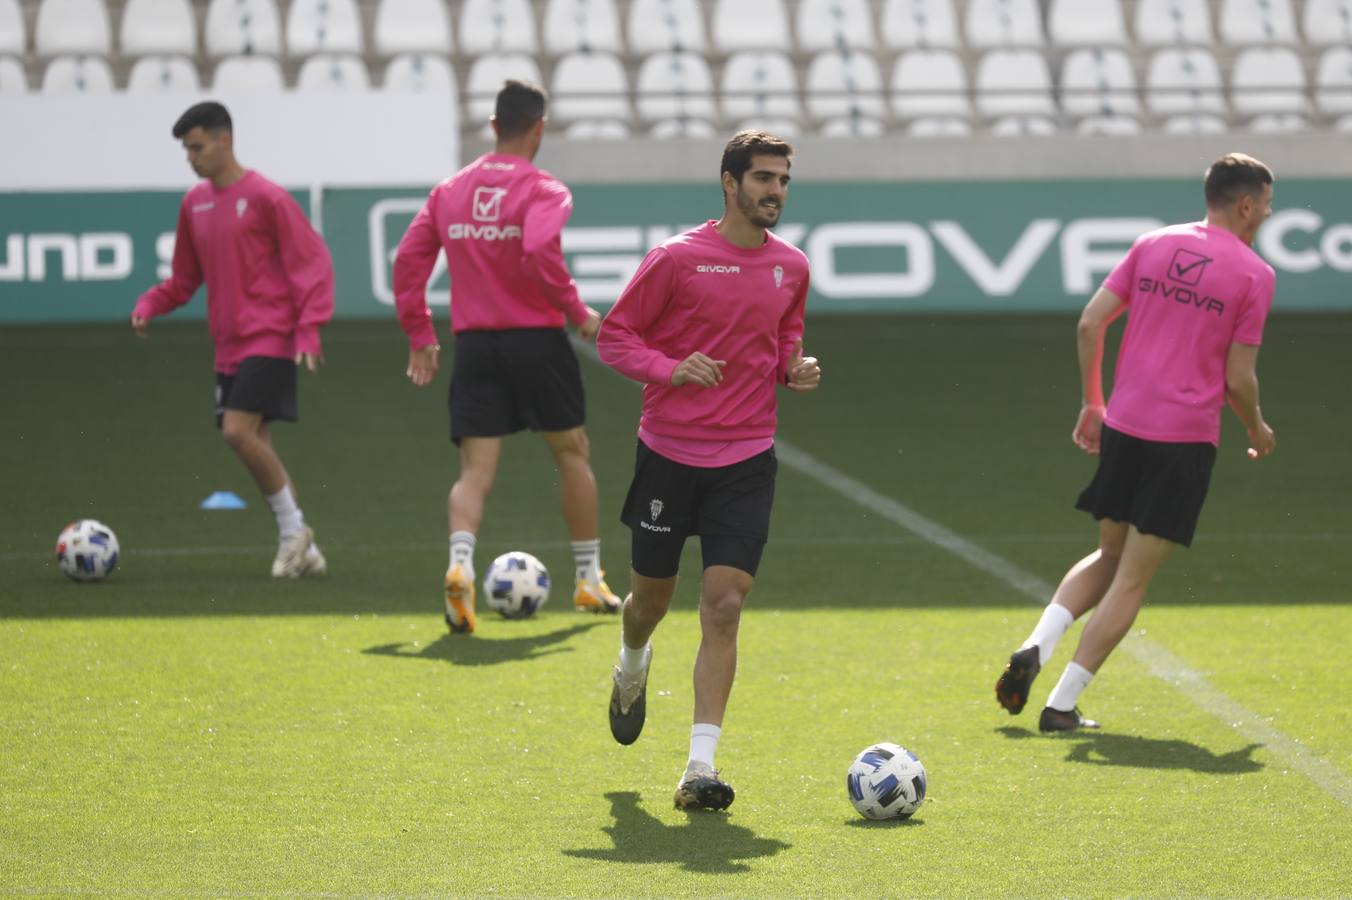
224,500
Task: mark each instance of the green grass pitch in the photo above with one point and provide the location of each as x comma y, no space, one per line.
191,727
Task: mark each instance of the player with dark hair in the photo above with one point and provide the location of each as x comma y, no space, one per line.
1197,297
712,324
499,220
269,285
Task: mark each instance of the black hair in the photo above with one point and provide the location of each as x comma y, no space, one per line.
738,151
209,115
1232,176
520,105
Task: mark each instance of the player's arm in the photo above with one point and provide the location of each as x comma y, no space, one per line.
1241,390
1100,312
185,277
622,343
795,371
309,270
413,263
542,255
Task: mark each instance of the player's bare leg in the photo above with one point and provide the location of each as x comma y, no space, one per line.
251,440
248,437
645,606
479,457
577,497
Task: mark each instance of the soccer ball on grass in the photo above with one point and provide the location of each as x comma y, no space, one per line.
886,781
517,584
87,550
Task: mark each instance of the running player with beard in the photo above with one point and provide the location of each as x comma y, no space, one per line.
712,325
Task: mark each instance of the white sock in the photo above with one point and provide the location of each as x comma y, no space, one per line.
703,743
1055,621
632,661
289,517
1067,691
462,552
587,556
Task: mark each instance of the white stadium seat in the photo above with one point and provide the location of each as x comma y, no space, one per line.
158,26
78,75
580,25
248,73
697,129
939,127
785,128
930,83
1014,83
12,77
71,26
847,84
242,27
412,26
1086,23
824,24
333,72
1333,82
1279,123
1343,125
13,35
497,26
760,83
1184,80
1003,23
852,126
597,130
1161,23
418,72
1267,80
751,25
323,26
153,74
589,86
1098,83
1108,126
1023,126
919,23
674,86
1328,22
486,76
1196,123
657,25
1257,22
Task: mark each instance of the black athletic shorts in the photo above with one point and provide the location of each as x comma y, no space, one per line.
504,381
727,506
1158,487
261,384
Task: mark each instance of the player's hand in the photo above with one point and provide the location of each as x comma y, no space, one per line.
138,324
1263,441
312,360
804,372
587,330
1089,428
422,365
698,369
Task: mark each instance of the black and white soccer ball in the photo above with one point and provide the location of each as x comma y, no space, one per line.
886,781
517,585
87,550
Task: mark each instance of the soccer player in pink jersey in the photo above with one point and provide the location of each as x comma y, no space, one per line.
500,221
269,284
712,325
1196,298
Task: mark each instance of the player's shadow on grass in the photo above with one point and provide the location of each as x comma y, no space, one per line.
1149,753
708,843
479,650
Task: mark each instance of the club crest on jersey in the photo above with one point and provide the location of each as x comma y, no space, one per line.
779,276
488,204
240,205
655,508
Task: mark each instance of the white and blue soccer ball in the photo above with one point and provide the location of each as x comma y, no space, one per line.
517,585
86,550
886,781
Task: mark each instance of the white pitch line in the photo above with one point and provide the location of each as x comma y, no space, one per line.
1156,659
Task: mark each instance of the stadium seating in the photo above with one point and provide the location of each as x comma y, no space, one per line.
826,24
71,27
1108,126
242,27
12,77
589,86
1161,23
1098,82
683,128
418,72
333,72
323,26
158,26
485,79
412,26
1081,23
78,75
852,127
930,83
922,24
1333,82
13,34
1003,23
1197,123
750,25
497,26
581,25
1267,80
844,84
1184,80
1014,83
939,127
761,85
674,86
1328,22
657,25
1257,22
163,73
248,73
597,130
1023,126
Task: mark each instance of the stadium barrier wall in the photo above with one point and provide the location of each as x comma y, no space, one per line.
1016,246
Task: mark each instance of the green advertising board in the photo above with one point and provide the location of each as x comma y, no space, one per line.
884,247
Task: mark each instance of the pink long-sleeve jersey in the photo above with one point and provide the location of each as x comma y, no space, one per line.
698,292
269,275
500,220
